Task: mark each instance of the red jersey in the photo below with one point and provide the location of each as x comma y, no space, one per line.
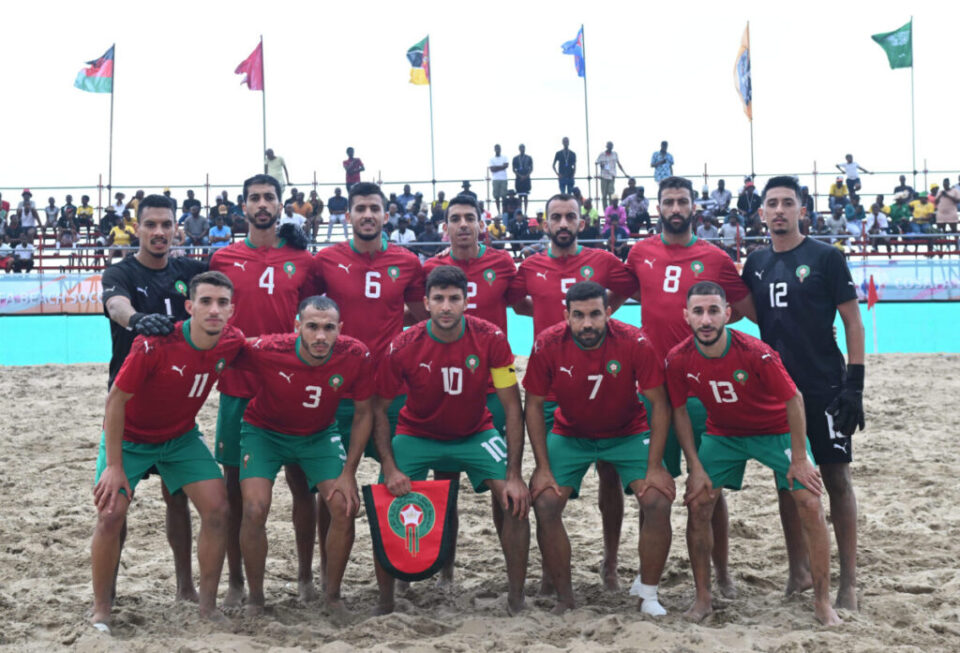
547,278
489,278
666,273
370,290
295,397
744,390
596,389
447,399
268,284
170,379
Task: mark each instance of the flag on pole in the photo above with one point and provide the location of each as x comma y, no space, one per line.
575,47
419,58
898,45
98,77
872,296
741,74
252,69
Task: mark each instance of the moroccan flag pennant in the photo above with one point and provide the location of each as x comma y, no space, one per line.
575,47
419,58
411,534
98,76
252,69
741,74
898,45
872,295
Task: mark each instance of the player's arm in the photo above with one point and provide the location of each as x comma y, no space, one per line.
397,482
285,172
847,407
113,479
616,300
123,313
657,475
524,307
414,313
801,469
542,478
744,308
516,496
360,429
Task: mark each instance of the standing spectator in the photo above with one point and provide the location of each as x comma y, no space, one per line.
316,215
52,212
852,170
290,216
498,175
188,204
404,200
947,201
748,203
197,229
337,207
629,190
220,234
608,162
27,214
708,230
614,214
134,202
904,187
85,214
403,235
806,202
353,167
565,166
276,167
23,255
637,207
523,168
166,193
722,197
732,235
662,163
465,190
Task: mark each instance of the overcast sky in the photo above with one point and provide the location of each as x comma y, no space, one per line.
336,76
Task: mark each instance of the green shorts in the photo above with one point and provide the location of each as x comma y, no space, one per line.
724,457
672,453
229,415
482,456
344,421
549,408
499,417
571,457
180,461
263,452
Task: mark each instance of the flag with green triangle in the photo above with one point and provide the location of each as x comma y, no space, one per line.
898,45
419,58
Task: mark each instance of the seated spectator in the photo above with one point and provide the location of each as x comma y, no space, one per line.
947,202
706,205
534,232
756,231
66,229
708,230
819,227
220,234
590,232
511,207
85,214
294,193
721,197
876,226
438,208
403,234
425,241
337,207
196,228
497,231
465,190
120,238
614,215
120,203
12,231
616,237
27,214
748,204
923,214
315,219
837,195
732,235
302,207
806,201
637,207
405,199
855,215
23,255
166,193
6,255
134,202
837,226
289,216
629,190
177,243
883,206
904,188
587,212
51,212
4,211
393,215
188,205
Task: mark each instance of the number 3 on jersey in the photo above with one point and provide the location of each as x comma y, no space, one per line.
266,280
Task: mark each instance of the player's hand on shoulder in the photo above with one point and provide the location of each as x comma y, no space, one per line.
516,497
699,486
658,478
397,482
802,471
106,492
151,324
346,486
542,480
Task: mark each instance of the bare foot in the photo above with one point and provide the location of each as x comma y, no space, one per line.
799,584
383,607
546,586
699,611
187,593
212,614
444,582
233,597
847,599
515,604
101,621
826,614
306,591
403,586
608,575
727,587
562,606
337,611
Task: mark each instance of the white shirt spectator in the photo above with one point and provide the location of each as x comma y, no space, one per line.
722,198
851,170
608,162
707,231
878,220
23,251
499,161
296,219
403,238
729,233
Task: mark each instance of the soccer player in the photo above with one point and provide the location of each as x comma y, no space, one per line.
798,285
291,420
546,277
150,422
753,411
144,294
594,366
446,362
271,275
667,265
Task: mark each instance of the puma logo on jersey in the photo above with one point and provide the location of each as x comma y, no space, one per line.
759,274
542,274
146,347
568,370
694,377
649,261
256,345
641,339
143,290
242,266
286,377
427,365
766,356
346,268
178,370
110,289
852,284
841,446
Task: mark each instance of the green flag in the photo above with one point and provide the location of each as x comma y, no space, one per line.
898,45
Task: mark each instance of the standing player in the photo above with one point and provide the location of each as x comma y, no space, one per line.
798,285
667,265
546,277
594,366
371,280
446,361
291,420
270,276
753,411
144,294
150,422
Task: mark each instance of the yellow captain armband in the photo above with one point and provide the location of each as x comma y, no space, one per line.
504,377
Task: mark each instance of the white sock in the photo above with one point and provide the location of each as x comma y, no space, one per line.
649,604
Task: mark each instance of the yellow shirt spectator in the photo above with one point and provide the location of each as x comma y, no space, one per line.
85,211
122,235
497,232
922,211
838,189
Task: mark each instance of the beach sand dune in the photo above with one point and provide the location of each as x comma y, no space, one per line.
905,473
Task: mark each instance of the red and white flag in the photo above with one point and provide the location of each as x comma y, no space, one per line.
252,69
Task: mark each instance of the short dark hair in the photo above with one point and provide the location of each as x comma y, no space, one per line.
259,180
211,277
584,290
154,202
463,200
446,276
706,288
319,302
560,197
676,182
783,181
364,188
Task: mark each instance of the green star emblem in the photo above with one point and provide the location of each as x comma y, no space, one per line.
803,271
393,272
697,267
289,268
489,276
473,362
741,376
181,287
614,367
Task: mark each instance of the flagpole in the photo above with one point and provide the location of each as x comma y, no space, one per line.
750,54
433,167
913,118
586,112
263,97
113,82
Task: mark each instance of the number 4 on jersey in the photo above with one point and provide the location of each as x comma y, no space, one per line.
266,280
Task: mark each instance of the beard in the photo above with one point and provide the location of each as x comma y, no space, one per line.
263,227
683,228
707,343
569,237
589,337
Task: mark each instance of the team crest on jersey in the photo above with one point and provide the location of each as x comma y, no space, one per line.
181,288
222,363
803,271
336,381
697,267
489,276
740,376
411,517
586,272
473,362
290,269
393,272
614,367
